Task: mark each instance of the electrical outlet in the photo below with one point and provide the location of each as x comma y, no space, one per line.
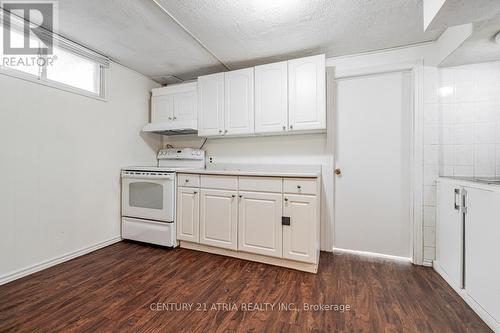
210,159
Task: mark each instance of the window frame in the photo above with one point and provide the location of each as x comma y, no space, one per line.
42,78
101,95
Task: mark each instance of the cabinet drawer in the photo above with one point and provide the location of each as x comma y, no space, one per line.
219,182
261,184
300,185
188,180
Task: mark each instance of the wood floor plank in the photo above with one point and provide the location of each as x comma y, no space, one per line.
117,288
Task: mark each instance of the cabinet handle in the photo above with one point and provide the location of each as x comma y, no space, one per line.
175,118
299,187
169,118
225,131
286,199
187,180
195,192
240,196
284,128
457,197
234,196
220,131
291,127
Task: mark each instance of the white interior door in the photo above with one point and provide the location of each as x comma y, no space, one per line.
372,152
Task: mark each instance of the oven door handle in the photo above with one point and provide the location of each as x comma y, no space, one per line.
139,176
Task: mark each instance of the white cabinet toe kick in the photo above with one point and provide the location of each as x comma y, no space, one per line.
271,220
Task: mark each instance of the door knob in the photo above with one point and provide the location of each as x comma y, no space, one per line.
338,172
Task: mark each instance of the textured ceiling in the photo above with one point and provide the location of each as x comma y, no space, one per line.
137,34
479,47
242,32
144,36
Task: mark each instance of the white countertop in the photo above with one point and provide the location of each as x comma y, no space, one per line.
263,170
470,182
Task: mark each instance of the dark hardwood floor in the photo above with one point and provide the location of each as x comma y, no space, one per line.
130,287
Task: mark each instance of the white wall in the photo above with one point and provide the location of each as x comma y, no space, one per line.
291,149
61,155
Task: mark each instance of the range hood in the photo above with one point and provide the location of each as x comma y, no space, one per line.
179,128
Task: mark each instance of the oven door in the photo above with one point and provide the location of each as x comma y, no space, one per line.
148,195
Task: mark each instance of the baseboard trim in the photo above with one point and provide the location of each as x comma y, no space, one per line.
476,307
300,266
6,278
372,254
427,263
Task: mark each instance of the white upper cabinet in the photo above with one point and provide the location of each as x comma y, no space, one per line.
211,105
162,108
185,105
279,98
174,108
271,98
307,93
239,102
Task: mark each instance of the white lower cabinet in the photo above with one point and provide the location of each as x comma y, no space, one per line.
253,216
482,247
468,229
259,223
188,214
449,232
300,238
219,218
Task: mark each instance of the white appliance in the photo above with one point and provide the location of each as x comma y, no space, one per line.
148,196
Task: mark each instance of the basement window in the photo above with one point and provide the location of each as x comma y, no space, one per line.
69,67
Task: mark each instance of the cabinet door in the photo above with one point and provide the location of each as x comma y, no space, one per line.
185,105
307,93
301,237
271,98
239,102
482,247
162,108
188,214
449,232
218,218
259,223
211,105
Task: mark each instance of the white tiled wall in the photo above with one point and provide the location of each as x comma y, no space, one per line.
461,131
470,120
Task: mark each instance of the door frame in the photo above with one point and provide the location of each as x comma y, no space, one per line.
416,138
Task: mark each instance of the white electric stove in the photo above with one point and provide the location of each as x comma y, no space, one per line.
148,196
